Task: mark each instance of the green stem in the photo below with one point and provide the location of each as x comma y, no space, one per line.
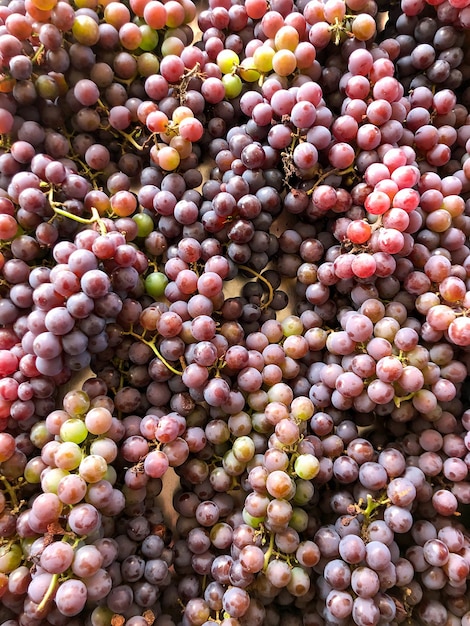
11,492
95,219
269,551
264,280
325,175
151,345
38,53
128,137
371,506
49,593
397,400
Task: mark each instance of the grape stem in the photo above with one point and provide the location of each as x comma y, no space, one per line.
37,58
325,175
129,137
5,140
269,551
182,87
377,224
96,217
397,400
11,492
83,220
127,81
153,347
371,506
49,593
264,280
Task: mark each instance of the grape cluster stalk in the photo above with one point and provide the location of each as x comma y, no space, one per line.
234,313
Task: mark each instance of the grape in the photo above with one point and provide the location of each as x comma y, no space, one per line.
71,597
149,242
57,557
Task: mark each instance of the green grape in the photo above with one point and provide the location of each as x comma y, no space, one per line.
263,59
292,325
46,87
299,519
299,584
51,479
10,557
302,408
147,64
155,284
233,85
33,469
243,449
40,435
306,466
247,71
144,224
74,430
101,616
227,60
26,544
254,522
149,38
85,30
304,491
111,475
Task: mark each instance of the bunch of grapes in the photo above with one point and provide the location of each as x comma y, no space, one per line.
234,313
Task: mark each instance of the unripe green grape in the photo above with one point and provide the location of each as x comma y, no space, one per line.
51,478
244,449
302,408
263,59
260,423
111,475
306,466
10,557
247,71
46,87
233,85
299,519
74,430
149,38
32,471
101,616
254,522
26,544
155,284
85,30
232,465
292,325
304,492
39,434
172,45
147,64
227,60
